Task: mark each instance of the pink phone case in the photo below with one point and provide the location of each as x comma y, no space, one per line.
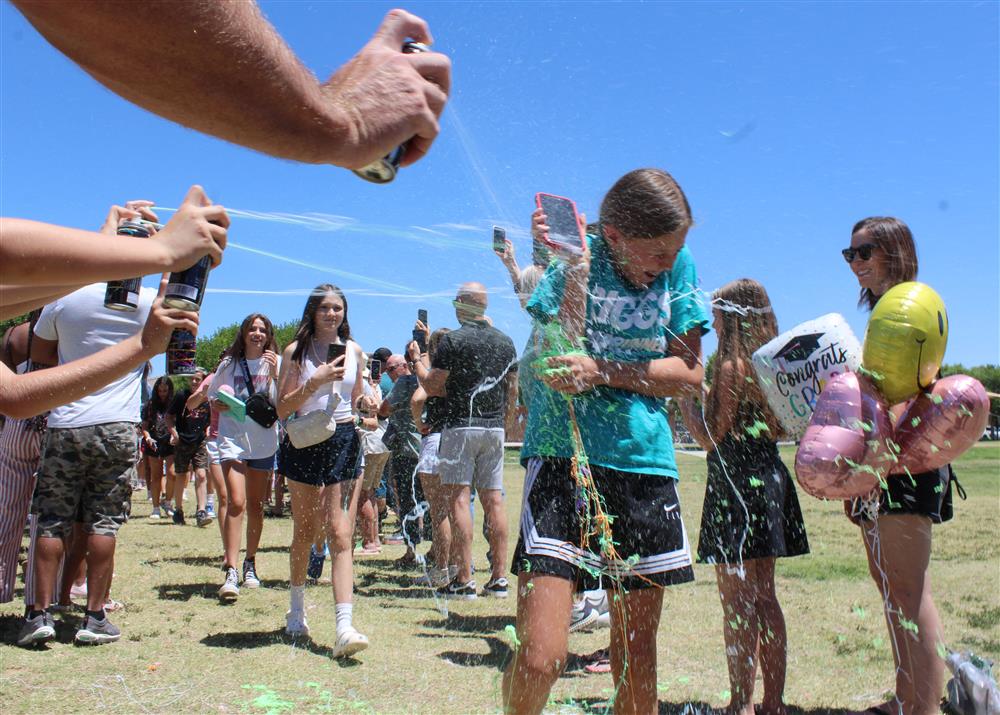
545,239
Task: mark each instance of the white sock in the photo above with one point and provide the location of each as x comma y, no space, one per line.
344,613
298,598
211,500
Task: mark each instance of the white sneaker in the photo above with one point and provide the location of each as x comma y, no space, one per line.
348,643
155,514
434,578
230,590
295,623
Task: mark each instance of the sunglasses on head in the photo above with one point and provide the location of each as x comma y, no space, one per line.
864,252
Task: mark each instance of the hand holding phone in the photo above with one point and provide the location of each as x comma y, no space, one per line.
564,232
335,351
375,370
499,240
420,337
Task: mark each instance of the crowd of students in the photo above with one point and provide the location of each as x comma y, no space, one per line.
616,329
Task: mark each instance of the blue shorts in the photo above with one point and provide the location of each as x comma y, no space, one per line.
331,461
265,464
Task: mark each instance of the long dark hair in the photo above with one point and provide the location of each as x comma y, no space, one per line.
748,322
307,326
239,347
894,239
155,404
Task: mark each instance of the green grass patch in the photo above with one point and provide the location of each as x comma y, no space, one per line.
182,652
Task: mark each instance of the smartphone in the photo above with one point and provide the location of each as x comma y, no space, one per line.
422,315
421,337
335,351
375,369
565,234
499,240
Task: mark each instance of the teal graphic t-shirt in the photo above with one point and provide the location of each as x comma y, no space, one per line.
620,429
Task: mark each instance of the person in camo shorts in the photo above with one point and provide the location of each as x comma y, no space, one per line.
88,458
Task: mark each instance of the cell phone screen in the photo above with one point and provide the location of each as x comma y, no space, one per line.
422,316
376,370
499,239
421,338
564,227
335,351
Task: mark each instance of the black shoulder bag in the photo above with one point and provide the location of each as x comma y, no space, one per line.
259,406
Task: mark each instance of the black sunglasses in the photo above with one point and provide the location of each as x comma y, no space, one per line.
864,252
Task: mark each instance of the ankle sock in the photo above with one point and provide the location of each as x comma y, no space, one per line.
344,613
97,615
35,614
297,600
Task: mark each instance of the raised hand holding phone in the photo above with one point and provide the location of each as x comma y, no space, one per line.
558,225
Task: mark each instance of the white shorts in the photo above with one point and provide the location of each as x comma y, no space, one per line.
472,456
428,461
213,451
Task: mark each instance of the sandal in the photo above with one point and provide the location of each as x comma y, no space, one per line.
112,605
369,551
599,666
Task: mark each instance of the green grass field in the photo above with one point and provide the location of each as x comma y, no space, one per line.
183,652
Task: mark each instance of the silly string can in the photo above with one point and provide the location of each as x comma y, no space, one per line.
186,289
123,295
384,170
181,353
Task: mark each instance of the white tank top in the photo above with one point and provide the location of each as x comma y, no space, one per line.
320,400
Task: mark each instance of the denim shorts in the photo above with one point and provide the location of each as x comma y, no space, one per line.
331,461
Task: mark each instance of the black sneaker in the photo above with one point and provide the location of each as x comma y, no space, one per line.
37,630
202,518
458,590
97,631
178,517
250,579
496,588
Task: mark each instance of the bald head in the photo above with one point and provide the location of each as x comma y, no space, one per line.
470,302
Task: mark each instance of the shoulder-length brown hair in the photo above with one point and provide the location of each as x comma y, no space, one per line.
239,347
894,239
646,203
747,323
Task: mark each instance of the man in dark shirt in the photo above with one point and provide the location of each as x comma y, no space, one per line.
474,368
188,428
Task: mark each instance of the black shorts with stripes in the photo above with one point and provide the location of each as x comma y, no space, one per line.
556,529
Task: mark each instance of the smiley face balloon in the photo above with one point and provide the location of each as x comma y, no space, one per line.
905,340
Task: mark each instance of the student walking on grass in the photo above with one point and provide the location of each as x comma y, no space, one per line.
751,513
246,447
322,475
631,302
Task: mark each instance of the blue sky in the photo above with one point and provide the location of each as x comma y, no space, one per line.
785,123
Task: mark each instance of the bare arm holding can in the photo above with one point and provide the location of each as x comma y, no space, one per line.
43,262
221,68
32,393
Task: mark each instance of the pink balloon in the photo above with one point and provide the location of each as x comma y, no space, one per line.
843,452
939,426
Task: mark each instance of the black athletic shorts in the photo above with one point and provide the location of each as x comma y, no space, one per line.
926,494
646,528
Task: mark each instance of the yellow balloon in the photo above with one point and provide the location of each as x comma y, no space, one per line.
905,340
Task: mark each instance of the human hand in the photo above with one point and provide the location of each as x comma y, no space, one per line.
139,208
413,351
366,405
385,98
507,256
196,230
572,374
270,359
326,373
162,321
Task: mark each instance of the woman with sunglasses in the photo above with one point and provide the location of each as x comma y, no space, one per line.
896,522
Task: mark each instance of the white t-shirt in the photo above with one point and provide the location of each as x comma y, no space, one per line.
83,326
244,440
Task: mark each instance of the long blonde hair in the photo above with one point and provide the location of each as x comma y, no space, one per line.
748,322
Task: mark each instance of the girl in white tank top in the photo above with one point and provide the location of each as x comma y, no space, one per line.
344,388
